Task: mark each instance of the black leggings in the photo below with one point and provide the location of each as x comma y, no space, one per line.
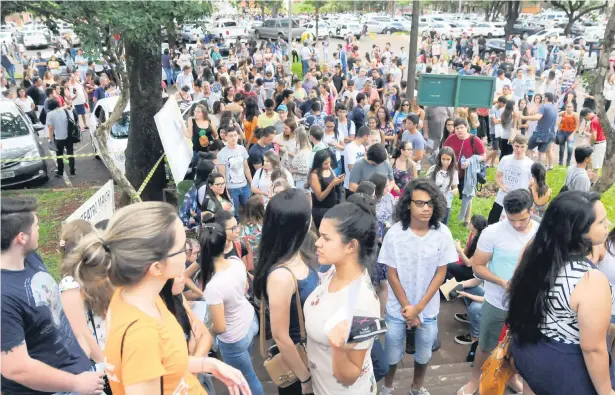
505,148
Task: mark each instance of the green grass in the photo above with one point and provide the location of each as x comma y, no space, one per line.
297,69
54,206
555,179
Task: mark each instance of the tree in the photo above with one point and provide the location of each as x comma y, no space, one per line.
492,9
512,13
576,9
608,168
414,38
273,6
130,42
317,4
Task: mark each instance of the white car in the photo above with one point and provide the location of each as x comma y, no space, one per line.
34,39
69,33
488,29
228,29
445,30
323,28
343,29
118,137
551,35
465,26
6,38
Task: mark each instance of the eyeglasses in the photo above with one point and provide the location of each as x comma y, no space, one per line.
220,184
329,126
406,149
450,124
187,250
233,228
421,203
405,104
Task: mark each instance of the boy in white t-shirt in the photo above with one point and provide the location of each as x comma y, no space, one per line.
354,151
499,248
514,172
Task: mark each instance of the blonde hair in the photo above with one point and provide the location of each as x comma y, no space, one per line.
137,236
302,138
70,235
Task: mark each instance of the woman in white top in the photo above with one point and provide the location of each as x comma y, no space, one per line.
300,166
261,181
26,104
85,302
609,91
347,242
287,142
234,321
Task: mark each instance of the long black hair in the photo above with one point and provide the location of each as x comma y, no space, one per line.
402,209
211,195
287,220
452,168
319,158
560,238
252,109
175,304
212,240
445,132
539,172
479,222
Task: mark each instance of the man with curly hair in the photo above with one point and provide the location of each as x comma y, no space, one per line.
416,250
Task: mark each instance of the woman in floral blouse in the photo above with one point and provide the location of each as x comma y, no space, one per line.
301,162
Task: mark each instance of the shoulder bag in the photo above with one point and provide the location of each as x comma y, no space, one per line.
107,387
277,368
497,370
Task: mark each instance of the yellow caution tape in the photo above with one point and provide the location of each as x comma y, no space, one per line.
150,175
51,157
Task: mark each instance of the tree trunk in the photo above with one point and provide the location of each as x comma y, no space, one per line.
144,145
414,37
317,17
608,168
171,35
512,13
568,28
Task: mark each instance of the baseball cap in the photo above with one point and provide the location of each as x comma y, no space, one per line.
282,107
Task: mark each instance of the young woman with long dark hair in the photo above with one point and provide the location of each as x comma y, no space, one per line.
541,193
224,282
404,168
323,182
348,243
216,195
285,227
559,305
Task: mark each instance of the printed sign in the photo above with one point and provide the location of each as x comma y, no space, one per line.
178,149
100,206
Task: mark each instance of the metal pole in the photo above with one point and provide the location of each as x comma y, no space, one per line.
414,37
290,24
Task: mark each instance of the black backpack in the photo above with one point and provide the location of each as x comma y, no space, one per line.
74,134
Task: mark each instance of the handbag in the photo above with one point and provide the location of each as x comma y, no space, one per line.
497,370
276,366
107,387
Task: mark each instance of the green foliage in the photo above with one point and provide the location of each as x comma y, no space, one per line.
272,6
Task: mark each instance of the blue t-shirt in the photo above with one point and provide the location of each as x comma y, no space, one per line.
256,155
546,124
417,140
32,314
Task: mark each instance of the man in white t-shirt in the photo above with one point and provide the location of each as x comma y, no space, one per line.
416,251
233,164
354,151
499,248
514,172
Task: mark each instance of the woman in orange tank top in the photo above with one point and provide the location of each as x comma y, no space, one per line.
566,130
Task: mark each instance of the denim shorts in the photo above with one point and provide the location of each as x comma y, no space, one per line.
426,335
540,142
80,109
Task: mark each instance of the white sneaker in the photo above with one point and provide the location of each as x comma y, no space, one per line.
420,391
386,390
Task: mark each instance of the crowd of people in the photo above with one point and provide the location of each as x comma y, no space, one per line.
321,202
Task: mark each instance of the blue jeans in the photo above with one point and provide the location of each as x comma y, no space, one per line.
305,64
11,72
170,76
426,335
474,310
379,360
240,196
562,140
238,356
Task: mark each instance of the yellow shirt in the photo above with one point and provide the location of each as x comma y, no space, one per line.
264,120
152,348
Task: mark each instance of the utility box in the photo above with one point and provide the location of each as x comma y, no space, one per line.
444,90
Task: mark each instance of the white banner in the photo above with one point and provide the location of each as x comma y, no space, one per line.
98,207
170,125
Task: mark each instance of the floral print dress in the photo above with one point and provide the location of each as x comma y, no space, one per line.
319,307
251,234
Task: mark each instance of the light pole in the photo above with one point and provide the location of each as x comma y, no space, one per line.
414,36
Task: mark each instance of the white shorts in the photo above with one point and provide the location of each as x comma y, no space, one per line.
598,155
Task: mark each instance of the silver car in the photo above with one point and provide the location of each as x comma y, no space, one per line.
19,141
278,28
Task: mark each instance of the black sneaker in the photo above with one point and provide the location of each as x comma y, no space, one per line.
72,172
436,345
463,339
470,357
462,318
57,174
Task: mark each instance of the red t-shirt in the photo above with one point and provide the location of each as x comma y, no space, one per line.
464,148
595,126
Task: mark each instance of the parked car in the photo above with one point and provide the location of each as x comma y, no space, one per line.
551,35
323,28
374,26
6,38
228,29
34,39
69,34
342,30
497,45
278,28
19,140
488,29
395,27
118,137
189,33
445,30
576,29
526,28
252,25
